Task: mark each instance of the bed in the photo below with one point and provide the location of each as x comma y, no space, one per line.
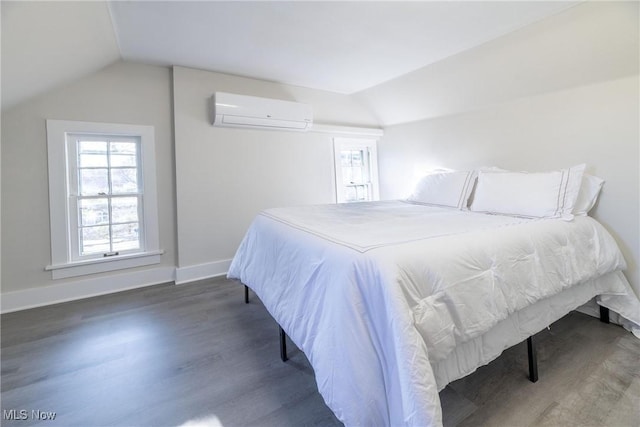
390,301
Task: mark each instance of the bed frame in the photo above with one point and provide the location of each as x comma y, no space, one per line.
531,346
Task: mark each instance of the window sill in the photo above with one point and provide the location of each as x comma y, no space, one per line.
82,268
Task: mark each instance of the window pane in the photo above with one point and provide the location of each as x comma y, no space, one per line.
125,237
347,175
356,175
124,153
356,193
350,194
94,240
93,160
124,209
356,158
124,180
92,147
93,182
92,153
94,211
345,158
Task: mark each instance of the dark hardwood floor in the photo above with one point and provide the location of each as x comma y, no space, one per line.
169,355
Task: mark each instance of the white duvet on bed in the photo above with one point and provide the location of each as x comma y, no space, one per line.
376,294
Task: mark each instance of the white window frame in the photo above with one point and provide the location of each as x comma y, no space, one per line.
63,262
370,146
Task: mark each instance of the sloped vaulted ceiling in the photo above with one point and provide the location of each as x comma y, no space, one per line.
591,43
341,47
336,46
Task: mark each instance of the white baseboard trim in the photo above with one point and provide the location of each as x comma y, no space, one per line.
202,271
84,288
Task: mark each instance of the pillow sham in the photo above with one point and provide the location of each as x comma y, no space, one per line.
537,195
588,194
451,189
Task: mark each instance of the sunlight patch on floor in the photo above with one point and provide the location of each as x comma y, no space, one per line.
210,421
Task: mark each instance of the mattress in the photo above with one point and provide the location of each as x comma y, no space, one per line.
385,297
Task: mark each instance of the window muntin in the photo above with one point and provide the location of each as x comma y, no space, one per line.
105,195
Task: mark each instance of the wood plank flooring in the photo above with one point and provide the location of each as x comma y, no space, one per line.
196,355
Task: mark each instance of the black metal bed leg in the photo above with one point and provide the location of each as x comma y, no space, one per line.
604,314
533,360
246,294
283,345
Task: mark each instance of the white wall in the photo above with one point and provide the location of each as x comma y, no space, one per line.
226,176
561,92
121,93
596,124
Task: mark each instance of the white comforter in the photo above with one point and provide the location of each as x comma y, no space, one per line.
375,293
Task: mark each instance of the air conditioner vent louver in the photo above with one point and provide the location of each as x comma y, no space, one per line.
231,110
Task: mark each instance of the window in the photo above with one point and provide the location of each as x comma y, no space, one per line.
105,192
356,169
102,195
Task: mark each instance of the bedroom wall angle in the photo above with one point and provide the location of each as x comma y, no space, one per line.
211,181
225,176
586,44
523,101
120,93
558,93
540,133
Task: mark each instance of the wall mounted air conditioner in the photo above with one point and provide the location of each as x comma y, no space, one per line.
231,110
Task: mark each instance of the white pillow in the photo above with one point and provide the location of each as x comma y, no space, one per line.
538,195
588,194
450,189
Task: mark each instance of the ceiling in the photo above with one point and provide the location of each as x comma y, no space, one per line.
343,47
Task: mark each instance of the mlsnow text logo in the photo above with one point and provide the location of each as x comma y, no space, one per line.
23,414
